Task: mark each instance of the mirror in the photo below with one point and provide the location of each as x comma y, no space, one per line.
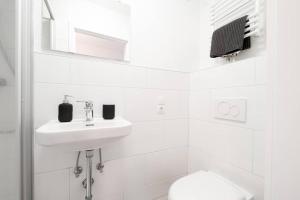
99,28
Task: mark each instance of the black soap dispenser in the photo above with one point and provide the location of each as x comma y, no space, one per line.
65,110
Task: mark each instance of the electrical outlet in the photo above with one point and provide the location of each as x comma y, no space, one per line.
161,109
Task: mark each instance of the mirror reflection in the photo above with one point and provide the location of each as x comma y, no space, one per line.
99,28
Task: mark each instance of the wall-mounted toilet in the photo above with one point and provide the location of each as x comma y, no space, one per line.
207,186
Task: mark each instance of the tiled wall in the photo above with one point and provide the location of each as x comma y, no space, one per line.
139,167
165,147
232,149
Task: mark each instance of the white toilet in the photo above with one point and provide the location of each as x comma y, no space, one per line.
207,186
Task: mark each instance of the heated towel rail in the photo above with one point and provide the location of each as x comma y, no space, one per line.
225,11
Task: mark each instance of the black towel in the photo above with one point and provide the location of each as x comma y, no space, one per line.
230,38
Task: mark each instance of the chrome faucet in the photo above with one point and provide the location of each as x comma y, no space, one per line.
89,110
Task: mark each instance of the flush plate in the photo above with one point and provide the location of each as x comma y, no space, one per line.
234,109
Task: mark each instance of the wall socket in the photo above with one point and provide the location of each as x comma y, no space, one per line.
161,109
161,105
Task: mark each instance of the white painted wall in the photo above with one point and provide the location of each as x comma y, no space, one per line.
232,149
283,158
164,34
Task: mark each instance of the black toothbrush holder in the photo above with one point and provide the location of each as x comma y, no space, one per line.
108,112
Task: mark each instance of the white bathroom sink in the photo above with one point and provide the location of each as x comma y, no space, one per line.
76,135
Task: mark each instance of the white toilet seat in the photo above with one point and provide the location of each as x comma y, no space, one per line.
206,186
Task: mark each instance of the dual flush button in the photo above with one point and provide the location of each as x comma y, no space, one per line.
231,109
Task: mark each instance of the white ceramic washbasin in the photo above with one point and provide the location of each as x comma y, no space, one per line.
76,135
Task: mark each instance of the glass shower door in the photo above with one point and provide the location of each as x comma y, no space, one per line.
9,104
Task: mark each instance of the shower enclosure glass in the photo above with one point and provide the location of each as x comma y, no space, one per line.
9,103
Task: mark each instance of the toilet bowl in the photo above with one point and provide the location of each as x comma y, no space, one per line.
207,186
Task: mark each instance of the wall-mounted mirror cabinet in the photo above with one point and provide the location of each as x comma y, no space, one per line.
99,28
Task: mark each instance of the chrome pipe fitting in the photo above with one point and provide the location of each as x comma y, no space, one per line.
77,169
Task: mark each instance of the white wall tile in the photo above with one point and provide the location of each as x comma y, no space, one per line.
259,153
91,72
176,104
155,168
159,165
200,102
135,77
235,74
52,185
134,181
228,143
172,41
158,190
196,159
108,184
131,175
44,157
261,70
176,157
150,192
141,105
168,80
146,137
111,181
176,133
134,169
51,68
